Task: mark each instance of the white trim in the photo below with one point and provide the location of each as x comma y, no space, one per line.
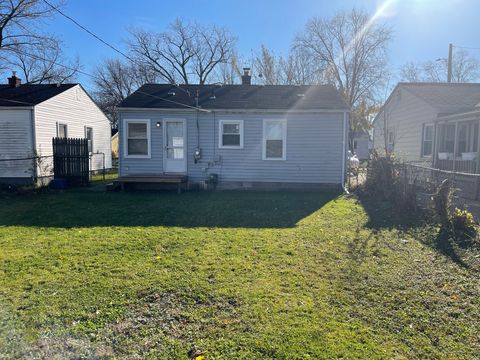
125,138
85,131
185,148
423,139
284,144
66,129
220,134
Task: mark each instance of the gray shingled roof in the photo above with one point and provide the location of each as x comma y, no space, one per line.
29,94
239,97
447,98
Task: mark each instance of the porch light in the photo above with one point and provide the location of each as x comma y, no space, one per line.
158,124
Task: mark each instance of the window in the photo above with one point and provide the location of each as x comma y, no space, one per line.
274,139
137,138
355,145
61,130
89,137
230,134
427,143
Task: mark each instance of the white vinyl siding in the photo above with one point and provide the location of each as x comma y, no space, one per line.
137,138
231,134
16,143
74,108
274,139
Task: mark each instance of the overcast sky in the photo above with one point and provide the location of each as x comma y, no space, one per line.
422,28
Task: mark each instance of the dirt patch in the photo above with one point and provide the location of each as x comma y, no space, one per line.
170,323
157,326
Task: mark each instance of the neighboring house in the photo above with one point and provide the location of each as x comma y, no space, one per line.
435,124
115,146
31,115
362,145
246,136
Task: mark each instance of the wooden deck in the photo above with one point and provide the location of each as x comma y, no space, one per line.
179,180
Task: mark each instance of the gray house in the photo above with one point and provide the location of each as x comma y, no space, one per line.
239,136
434,124
32,114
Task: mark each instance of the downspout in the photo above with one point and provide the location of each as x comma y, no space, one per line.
344,155
34,146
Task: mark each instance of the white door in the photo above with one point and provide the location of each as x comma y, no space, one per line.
174,155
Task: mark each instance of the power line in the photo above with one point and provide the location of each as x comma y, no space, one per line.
101,40
88,31
97,78
466,47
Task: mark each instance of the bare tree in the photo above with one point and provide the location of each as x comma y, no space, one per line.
351,51
18,20
267,67
115,80
43,65
465,68
184,53
38,56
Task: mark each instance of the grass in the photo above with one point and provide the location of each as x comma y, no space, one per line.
229,274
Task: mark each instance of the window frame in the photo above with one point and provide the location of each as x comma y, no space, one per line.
423,139
66,130
86,132
125,138
220,134
284,140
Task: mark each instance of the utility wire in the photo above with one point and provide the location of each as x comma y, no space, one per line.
101,40
88,31
97,78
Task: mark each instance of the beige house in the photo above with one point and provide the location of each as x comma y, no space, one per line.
434,124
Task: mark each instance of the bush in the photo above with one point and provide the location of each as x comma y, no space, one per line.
462,222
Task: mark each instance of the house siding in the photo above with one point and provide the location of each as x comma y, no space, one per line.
74,108
405,114
16,142
314,148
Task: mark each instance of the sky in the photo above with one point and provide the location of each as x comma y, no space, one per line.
422,29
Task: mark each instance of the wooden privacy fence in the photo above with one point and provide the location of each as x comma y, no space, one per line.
71,160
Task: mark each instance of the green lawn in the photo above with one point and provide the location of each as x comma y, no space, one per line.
233,274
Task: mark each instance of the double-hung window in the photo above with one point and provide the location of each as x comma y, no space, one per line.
89,137
61,130
137,138
427,140
274,139
230,134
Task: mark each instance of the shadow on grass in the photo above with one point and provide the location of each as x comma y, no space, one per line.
384,215
233,209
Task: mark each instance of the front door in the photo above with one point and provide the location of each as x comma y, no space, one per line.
174,150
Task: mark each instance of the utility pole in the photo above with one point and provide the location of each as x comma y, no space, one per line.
450,55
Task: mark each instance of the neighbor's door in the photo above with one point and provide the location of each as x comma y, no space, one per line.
174,157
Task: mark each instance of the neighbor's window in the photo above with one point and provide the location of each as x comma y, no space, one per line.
427,143
137,138
231,134
89,137
274,139
61,130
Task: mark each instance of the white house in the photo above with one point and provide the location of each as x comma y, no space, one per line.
31,115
